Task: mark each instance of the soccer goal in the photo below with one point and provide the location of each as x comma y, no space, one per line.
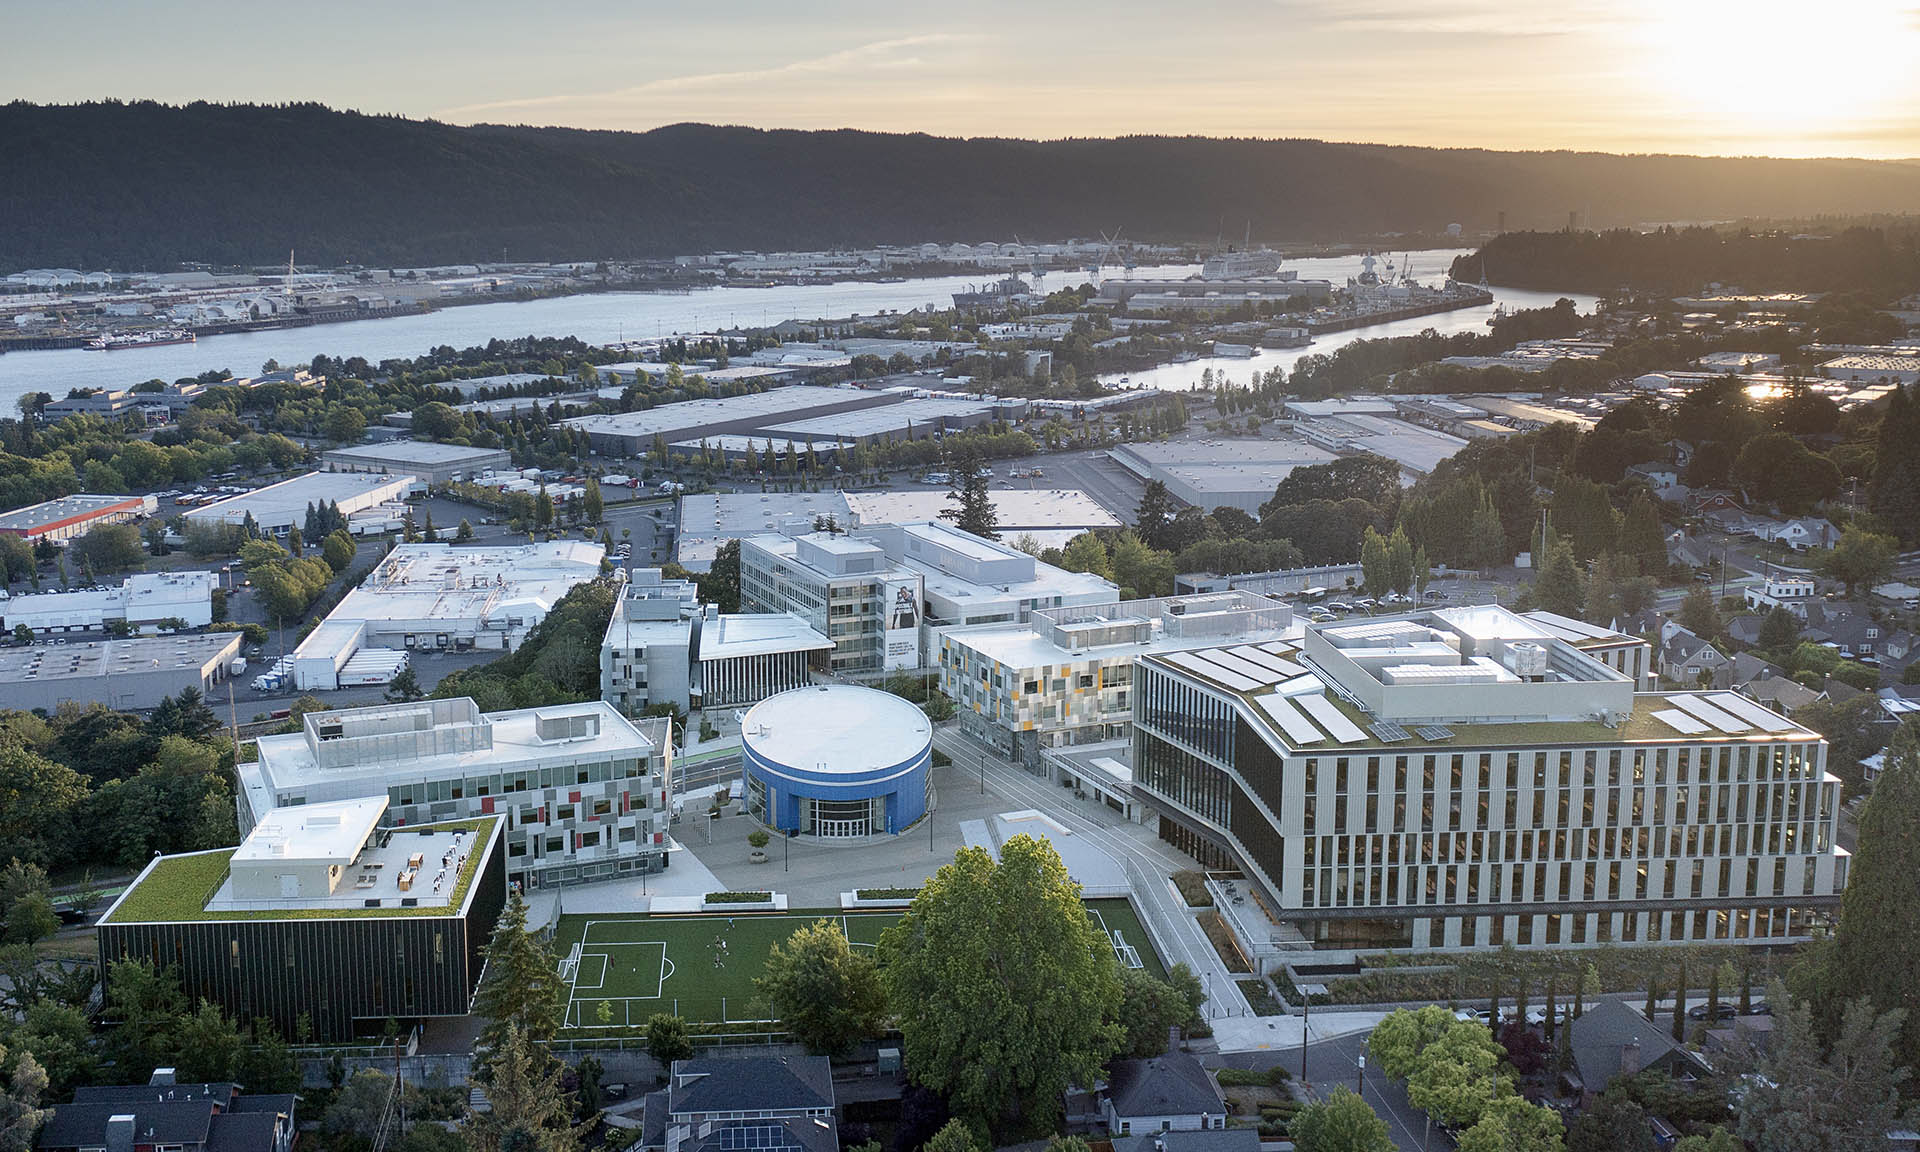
1128,954
570,967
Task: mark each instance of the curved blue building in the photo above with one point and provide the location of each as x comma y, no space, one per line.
836,761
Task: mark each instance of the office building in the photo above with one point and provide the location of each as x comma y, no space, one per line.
321,918
143,600
1629,655
72,516
440,597
1465,778
664,647
1065,676
370,502
583,790
880,594
129,675
836,761
431,463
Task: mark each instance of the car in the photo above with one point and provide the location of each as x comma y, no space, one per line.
1537,1015
1321,616
1396,598
1714,1011
1760,1007
1366,603
1703,575
1433,594
1340,606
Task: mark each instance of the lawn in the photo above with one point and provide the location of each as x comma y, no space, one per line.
703,967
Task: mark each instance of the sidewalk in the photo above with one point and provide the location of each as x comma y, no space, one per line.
1257,1033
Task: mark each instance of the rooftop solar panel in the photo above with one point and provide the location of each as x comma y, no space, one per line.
1212,671
1674,718
1756,714
1267,660
1298,728
1434,732
1331,718
1389,732
1701,710
1243,666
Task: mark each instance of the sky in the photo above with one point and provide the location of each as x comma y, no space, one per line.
1773,77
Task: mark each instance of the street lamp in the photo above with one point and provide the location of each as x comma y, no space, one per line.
1363,1075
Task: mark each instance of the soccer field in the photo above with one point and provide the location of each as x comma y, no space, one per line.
702,967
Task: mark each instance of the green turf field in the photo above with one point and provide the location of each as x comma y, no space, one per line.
702,967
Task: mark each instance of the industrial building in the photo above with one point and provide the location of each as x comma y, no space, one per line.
438,596
128,675
322,916
143,600
1209,474
883,592
1154,295
362,499
1052,516
634,433
733,447
1464,778
72,516
915,419
1065,677
1417,450
664,647
584,792
836,761
430,463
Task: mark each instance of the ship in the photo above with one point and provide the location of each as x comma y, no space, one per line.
1241,264
996,296
154,338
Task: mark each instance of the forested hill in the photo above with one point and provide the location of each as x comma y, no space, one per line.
145,186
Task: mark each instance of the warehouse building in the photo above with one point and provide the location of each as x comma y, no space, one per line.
371,503
1065,677
915,419
1209,474
883,592
322,919
664,647
582,789
441,597
72,516
143,600
634,433
432,464
127,675
1466,779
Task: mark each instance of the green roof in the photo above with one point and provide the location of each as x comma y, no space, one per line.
176,889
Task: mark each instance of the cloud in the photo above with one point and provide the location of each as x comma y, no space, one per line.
877,57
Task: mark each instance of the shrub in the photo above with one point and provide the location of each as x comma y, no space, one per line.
887,893
738,897
1223,942
758,837
1193,888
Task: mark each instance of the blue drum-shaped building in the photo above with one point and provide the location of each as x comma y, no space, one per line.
836,761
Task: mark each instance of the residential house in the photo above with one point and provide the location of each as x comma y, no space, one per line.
1747,666
163,1114
1167,1093
1689,660
1857,637
1791,593
1744,630
1613,1039
1779,693
775,1103
1804,532
1658,474
1210,1140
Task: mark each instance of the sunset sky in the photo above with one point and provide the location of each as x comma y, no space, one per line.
1837,77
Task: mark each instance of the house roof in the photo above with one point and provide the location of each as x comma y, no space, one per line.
1606,1028
212,1115
1209,1140
1780,693
1747,666
244,1132
170,1122
222,1094
1744,628
799,1134
1683,647
1171,1085
753,1083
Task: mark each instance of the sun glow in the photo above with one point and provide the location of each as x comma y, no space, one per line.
1782,69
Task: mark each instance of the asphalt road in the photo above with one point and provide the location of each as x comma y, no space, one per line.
1336,1062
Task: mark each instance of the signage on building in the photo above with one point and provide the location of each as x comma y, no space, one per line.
903,624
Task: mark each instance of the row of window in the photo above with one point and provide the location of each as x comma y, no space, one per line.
516,780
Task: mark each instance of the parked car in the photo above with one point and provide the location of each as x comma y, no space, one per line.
1433,594
1537,1014
1714,1011
1340,606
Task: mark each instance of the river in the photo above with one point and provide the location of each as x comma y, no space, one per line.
609,316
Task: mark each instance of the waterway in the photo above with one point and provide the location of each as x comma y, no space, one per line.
610,316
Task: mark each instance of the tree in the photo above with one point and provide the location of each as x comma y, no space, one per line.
1700,615
530,1111
463,533
38,798
954,1136
1085,553
1004,990
667,1040
1486,538
592,504
1779,630
828,996
1155,516
20,1113
1510,1124
1558,587
110,548
720,586
405,687
31,919
1149,1006
344,424
1400,561
1716,1139
1341,1122
338,550
1805,1097
976,513
1853,732
1375,570
1615,1123
1861,559
1641,537
543,508
1876,952
522,990
359,1106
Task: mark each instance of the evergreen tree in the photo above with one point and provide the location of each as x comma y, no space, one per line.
1641,537
595,507
522,992
1399,560
1876,951
1155,515
1700,615
976,513
1779,630
531,1111
1558,587
1375,576
1894,493
1486,538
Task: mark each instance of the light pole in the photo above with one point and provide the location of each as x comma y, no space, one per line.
1363,1076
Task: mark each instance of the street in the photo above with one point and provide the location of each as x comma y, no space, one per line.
1336,1062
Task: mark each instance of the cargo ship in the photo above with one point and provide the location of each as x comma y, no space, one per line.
114,342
